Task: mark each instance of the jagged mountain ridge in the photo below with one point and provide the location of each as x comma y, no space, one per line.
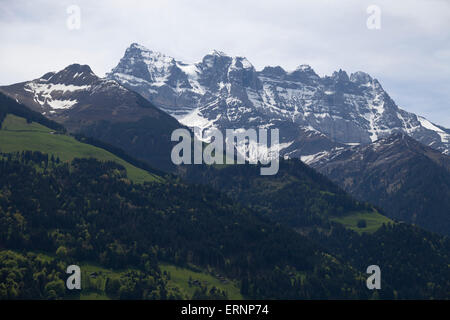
228,92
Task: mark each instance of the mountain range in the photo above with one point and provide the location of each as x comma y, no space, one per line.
346,127
314,114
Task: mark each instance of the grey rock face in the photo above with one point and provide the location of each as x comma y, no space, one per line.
227,92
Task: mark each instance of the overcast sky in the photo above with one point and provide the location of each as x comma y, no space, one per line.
409,54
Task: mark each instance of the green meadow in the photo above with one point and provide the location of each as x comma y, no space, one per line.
374,220
179,278
17,135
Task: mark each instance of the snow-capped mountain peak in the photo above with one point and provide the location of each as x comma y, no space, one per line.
55,91
74,90
227,92
360,78
74,74
304,67
218,53
274,72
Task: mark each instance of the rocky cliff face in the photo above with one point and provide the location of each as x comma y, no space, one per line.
228,92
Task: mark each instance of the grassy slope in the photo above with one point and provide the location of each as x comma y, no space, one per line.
179,278
374,220
17,135
93,288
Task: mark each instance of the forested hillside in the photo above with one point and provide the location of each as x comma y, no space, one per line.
297,195
414,262
62,209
